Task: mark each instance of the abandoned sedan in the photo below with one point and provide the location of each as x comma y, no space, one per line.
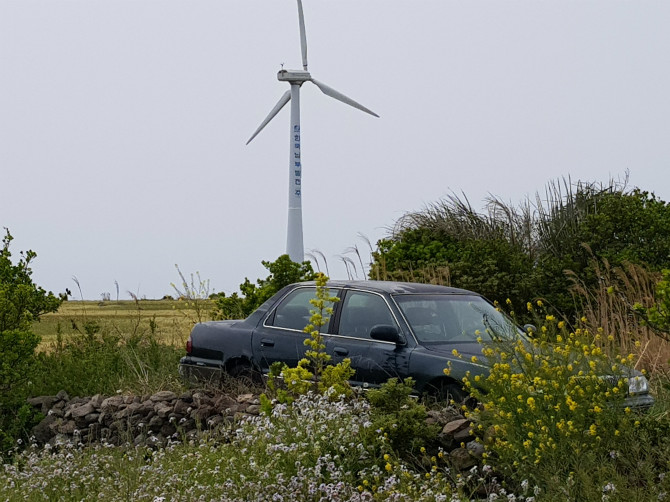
386,329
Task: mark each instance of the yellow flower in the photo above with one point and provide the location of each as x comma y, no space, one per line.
388,467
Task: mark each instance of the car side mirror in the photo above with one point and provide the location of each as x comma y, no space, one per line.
385,333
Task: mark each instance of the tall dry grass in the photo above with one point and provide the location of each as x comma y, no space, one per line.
610,306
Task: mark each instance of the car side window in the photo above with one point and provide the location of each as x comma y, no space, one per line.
361,311
294,311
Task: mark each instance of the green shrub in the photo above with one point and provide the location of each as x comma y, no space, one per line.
104,364
401,417
283,271
21,303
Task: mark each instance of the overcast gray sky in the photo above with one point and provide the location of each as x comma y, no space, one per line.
123,123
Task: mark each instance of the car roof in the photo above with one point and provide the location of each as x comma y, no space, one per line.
393,287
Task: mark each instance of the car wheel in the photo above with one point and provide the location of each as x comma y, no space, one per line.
245,374
446,391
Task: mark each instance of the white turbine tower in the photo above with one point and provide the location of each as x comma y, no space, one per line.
294,243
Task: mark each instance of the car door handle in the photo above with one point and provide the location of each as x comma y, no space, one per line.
340,351
267,343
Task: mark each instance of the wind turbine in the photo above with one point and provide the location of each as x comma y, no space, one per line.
294,241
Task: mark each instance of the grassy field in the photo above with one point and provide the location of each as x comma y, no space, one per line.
169,320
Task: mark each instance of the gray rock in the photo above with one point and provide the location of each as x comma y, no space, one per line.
461,459
96,401
462,435
67,428
163,409
200,399
46,429
129,410
203,413
155,423
167,430
164,395
82,411
112,404
253,409
456,425
181,408
476,449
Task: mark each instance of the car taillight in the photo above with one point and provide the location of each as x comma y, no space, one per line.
189,345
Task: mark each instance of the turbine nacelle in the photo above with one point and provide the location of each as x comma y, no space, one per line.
294,76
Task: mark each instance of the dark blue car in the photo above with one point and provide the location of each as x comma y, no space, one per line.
387,329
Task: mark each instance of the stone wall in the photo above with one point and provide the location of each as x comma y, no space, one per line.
120,419
153,419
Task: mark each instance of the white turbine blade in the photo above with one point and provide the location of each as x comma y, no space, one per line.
286,97
329,91
303,36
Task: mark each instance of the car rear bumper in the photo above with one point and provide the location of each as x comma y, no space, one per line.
191,368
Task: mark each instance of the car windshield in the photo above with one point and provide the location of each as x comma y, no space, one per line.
444,318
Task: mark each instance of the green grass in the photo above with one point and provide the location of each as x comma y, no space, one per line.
170,321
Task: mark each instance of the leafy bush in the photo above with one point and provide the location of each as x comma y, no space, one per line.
21,303
401,418
658,316
283,272
524,252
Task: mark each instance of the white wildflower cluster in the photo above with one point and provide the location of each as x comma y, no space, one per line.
314,449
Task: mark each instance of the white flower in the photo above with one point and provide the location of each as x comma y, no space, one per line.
524,485
609,488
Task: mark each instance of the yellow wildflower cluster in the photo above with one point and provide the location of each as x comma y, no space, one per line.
549,397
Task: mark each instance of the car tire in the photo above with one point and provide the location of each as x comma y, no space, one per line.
446,391
245,374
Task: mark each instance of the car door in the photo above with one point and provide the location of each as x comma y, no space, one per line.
281,336
374,361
